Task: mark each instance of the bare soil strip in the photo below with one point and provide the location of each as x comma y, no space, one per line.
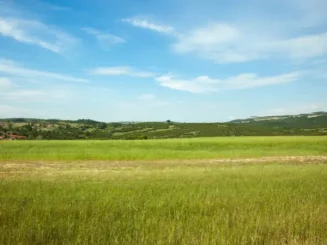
23,166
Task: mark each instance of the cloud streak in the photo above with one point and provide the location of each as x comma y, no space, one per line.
145,24
297,34
12,68
121,71
106,40
196,85
5,83
224,43
205,84
36,33
30,95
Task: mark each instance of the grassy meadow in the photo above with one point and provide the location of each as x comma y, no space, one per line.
200,148
59,192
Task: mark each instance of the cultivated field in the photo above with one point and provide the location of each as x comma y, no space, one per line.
194,191
200,148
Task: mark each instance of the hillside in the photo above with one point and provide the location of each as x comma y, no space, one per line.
21,128
301,121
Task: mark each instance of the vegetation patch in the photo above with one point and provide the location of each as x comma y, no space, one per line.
306,124
197,148
151,203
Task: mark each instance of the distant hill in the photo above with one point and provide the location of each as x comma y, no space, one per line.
32,128
36,120
308,121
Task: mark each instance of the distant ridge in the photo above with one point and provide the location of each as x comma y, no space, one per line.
280,117
46,129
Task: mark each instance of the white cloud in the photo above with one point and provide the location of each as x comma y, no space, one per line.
145,24
5,83
146,97
29,95
17,87
250,80
197,85
106,40
217,41
36,33
225,43
295,34
240,41
308,46
14,69
121,71
204,84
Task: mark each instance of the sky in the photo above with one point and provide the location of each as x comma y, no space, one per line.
179,60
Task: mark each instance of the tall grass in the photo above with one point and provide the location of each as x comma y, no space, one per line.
151,202
198,204
163,149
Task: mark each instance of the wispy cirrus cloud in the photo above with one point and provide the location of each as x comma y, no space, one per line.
121,71
5,83
35,32
34,95
146,24
217,41
297,34
106,40
19,84
201,84
251,80
303,47
197,85
225,43
205,84
14,69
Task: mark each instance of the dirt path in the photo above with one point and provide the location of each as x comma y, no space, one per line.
281,159
21,165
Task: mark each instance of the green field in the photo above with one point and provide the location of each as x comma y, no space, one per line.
202,148
173,192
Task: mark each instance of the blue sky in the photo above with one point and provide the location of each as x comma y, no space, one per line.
142,60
